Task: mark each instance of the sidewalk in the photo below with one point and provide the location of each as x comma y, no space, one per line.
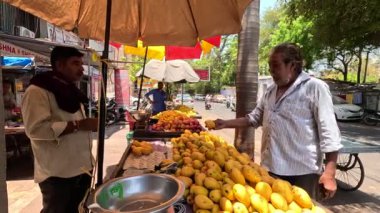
24,196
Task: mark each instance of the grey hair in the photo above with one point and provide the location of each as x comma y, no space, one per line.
291,53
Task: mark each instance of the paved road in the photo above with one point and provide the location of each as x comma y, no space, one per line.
366,199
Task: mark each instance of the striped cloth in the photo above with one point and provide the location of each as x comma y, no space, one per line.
298,128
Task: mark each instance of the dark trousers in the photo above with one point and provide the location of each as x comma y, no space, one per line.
63,195
309,183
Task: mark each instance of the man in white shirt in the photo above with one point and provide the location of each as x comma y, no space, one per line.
60,133
299,125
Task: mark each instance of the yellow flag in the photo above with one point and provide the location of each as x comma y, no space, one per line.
154,52
206,47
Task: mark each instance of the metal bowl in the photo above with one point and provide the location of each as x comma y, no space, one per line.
138,194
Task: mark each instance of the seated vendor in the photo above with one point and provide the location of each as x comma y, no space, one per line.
9,100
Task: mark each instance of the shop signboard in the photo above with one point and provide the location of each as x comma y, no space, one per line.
8,49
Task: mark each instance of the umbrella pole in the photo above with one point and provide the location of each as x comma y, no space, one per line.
142,78
103,111
182,94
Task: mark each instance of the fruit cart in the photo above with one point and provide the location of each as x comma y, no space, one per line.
350,169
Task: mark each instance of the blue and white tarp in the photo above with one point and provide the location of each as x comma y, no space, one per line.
11,61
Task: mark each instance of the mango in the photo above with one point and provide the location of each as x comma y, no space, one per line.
198,190
284,188
178,172
199,178
215,195
187,160
227,191
225,204
146,150
295,207
250,190
197,164
210,154
223,151
198,156
317,209
242,159
219,159
259,203
214,174
268,179
228,180
190,199
278,201
271,208
211,183
215,208
237,176
250,174
212,165
240,208
187,171
306,211
202,211
203,202
186,180
177,157
263,171
137,151
302,198
210,124
241,194
264,190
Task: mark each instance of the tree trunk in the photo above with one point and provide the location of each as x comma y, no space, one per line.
3,153
359,66
345,72
366,67
247,75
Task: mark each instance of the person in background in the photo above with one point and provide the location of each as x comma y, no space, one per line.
299,126
9,100
60,133
159,98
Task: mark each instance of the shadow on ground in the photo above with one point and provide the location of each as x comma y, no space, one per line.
20,167
357,201
359,131
110,130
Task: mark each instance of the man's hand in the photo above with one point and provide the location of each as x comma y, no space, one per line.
88,124
329,185
220,124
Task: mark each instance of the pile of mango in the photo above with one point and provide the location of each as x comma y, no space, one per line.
218,178
140,148
186,110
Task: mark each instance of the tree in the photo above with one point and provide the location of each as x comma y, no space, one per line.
339,59
247,75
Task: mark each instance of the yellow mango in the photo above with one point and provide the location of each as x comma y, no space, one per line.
237,176
250,190
264,190
215,208
227,191
198,156
213,165
210,124
219,158
250,174
241,194
214,174
177,157
268,179
223,151
197,164
225,204
190,199
259,203
186,180
178,172
284,188
295,207
271,208
278,201
317,209
187,171
198,190
211,183
202,211
215,195
210,154
239,208
263,171
302,198
203,202
306,211
199,178
243,160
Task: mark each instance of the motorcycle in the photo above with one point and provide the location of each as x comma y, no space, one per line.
113,114
371,117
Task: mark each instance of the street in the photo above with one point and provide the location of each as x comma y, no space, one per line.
365,199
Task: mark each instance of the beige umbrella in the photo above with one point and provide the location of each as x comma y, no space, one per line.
156,22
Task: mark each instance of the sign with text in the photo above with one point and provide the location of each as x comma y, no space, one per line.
204,74
13,50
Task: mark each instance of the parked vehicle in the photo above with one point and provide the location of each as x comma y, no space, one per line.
345,111
233,105
371,117
187,100
134,101
219,99
199,97
114,113
229,101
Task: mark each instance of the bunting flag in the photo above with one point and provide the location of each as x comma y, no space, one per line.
206,47
215,41
154,52
176,52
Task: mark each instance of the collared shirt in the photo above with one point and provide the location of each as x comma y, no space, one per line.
298,128
159,97
54,155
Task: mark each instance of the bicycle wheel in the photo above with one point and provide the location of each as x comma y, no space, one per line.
350,172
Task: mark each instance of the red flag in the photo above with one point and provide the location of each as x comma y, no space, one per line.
176,52
214,40
117,45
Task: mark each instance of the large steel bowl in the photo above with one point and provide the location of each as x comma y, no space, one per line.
139,194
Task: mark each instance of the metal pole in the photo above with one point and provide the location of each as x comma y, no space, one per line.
90,78
102,111
182,93
142,78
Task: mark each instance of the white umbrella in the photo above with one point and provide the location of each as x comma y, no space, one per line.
169,71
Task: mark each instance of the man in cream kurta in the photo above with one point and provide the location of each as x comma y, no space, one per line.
60,133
